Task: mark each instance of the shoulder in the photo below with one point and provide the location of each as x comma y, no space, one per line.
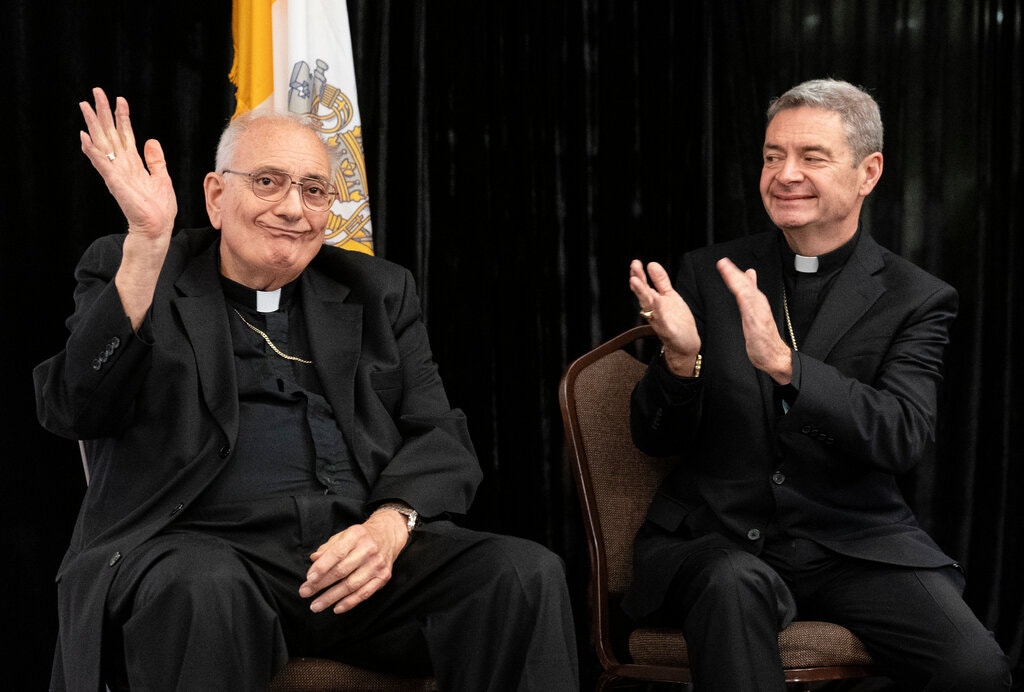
361,273
107,250
898,273
351,264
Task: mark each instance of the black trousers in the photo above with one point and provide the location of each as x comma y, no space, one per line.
914,622
213,604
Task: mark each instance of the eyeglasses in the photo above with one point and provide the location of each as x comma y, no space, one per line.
273,186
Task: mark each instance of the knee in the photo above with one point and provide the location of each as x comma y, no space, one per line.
738,577
732,585
536,570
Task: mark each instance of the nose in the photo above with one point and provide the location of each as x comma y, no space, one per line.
790,171
291,203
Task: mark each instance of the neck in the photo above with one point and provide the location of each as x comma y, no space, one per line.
815,242
258,281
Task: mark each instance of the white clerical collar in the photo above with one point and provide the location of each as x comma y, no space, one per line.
805,265
268,301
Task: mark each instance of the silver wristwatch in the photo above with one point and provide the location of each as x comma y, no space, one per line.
411,515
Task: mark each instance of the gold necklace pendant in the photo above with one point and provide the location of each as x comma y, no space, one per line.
271,344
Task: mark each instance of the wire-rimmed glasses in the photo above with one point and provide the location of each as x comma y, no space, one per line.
272,185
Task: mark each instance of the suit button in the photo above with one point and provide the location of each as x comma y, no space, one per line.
224,451
806,430
114,559
753,534
778,478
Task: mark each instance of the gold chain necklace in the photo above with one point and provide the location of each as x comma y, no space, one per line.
270,343
785,308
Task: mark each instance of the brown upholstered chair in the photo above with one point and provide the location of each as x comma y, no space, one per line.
326,675
615,482
323,675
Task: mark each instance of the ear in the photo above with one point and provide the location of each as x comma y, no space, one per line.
870,172
213,187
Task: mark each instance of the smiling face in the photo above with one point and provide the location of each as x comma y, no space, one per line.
810,185
264,245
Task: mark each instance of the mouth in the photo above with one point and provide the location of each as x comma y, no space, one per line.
791,197
278,232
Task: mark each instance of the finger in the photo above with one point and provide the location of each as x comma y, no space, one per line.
326,563
154,154
123,126
733,277
641,290
358,596
100,124
104,116
659,278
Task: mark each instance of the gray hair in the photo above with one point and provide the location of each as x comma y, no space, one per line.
857,110
243,122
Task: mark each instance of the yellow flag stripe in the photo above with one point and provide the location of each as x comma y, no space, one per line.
252,71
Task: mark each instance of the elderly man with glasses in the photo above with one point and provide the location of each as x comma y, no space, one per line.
275,467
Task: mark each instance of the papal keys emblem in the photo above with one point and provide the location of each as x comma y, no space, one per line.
309,93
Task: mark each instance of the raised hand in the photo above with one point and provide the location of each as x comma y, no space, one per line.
765,348
668,313
143,190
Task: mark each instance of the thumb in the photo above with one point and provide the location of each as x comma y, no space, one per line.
154,154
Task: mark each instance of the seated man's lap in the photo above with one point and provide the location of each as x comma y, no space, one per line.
444,570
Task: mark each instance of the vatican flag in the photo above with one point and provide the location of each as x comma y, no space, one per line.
296,55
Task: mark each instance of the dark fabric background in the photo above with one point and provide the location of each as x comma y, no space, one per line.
520,154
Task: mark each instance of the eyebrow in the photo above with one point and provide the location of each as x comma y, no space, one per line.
818,148
270,169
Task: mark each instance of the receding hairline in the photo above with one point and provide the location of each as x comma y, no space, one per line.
250,122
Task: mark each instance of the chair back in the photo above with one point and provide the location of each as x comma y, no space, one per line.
615,480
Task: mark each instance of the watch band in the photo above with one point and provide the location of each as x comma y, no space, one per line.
411,515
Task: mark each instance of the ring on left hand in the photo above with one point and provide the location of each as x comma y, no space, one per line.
647,314
111,156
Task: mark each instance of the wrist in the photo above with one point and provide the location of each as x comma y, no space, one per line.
683,365
409,515
783,372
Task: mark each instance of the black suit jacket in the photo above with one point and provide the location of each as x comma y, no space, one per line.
159,409
868,376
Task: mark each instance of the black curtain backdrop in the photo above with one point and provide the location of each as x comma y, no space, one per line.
520,154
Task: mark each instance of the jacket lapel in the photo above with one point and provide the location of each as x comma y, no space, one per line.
855,290
202,297
336,346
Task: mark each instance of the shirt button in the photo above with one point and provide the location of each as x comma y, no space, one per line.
753,534
778,478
